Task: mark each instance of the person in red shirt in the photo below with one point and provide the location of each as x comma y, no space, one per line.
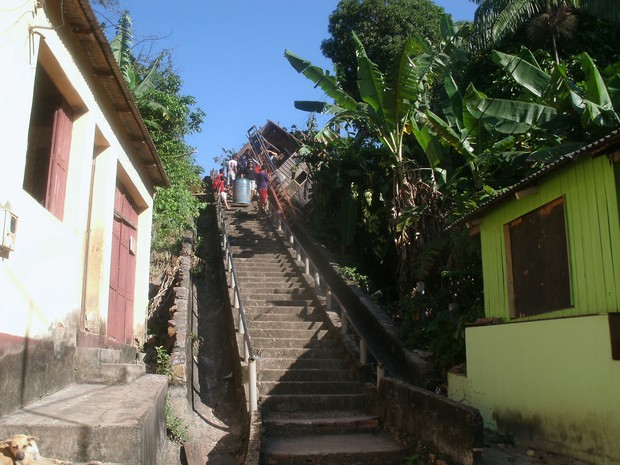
262,184
219,187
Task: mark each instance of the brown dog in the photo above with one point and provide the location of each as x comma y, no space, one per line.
5,455
22,450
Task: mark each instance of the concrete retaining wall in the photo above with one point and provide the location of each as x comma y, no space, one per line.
375,326
411,414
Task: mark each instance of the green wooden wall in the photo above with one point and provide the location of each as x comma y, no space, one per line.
593,228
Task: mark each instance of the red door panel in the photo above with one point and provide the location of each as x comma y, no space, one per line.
59,162
123,269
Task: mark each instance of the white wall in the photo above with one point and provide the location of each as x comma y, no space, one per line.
42,280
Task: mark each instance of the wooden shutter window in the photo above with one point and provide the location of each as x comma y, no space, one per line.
59,161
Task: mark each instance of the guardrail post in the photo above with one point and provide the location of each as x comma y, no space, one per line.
241,328
317,282
235,299
307,265
363,352
252,381
291,239
380,373
328,299
298,252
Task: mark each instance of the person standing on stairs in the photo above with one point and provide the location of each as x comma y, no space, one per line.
251,176
232,170
262,184
219,187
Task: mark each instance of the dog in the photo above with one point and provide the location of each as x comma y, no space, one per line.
5,454
23,450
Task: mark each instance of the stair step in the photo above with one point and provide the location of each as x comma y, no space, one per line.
261,268
279,257
266,364
296,293
312,388
294,373
303,334
268,274
249,287
306,403
298,353
296,325
276,343
84,422
320,423
261,280
282,317
291,309
106,366
281,302
344,449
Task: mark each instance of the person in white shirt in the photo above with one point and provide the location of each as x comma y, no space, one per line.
232,170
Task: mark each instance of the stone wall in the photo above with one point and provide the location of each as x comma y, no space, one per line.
179,326
412,415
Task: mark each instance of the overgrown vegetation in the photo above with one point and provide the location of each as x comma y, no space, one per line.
164,366
170,118
417,144
177,429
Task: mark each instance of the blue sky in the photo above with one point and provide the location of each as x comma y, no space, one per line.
230,56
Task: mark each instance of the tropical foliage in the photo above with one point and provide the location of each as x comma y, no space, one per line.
383,27
170,117
419,145
546,21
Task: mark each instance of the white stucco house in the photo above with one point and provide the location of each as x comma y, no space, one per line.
78,173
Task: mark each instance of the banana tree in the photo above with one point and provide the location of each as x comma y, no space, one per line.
140,84
389,105
562,113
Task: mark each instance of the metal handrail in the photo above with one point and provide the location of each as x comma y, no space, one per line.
242,325
331,298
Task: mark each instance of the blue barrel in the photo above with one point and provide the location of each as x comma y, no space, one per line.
241,191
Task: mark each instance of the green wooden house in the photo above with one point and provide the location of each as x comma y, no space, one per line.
544,365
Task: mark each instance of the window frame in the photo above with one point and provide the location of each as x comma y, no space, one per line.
558,272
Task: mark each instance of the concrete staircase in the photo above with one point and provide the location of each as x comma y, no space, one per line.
313,404
114,413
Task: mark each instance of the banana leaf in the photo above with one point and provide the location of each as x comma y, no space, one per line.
310,106
509,116
596,90
403,88
369,78
527,74
326,82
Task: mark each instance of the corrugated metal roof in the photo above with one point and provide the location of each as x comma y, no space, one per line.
591,149
85,38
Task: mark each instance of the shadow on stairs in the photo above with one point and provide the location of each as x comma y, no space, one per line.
314,403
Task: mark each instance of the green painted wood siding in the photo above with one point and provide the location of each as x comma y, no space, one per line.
593,228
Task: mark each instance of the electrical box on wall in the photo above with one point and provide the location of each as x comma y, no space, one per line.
8,228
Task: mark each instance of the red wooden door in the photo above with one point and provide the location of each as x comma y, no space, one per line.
123,268
59,161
